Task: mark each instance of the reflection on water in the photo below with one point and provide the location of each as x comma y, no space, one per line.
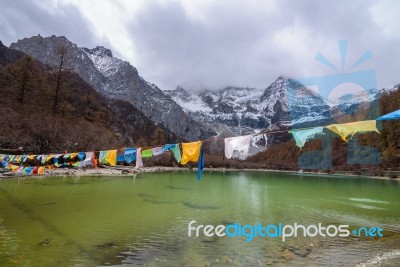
93,221
368,200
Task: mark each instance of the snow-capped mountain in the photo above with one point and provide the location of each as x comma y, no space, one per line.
360,106
222,111
227,112
284,103
248,109
115,79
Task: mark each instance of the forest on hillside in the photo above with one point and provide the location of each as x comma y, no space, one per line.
51,109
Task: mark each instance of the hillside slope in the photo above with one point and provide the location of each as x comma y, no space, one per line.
85,120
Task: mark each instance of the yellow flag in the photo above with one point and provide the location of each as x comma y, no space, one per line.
190,152
347,130
111,157
41,170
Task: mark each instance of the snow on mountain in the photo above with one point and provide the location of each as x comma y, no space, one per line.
285,103
385,91
103,60
249,109
189,102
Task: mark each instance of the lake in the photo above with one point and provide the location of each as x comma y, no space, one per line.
143,220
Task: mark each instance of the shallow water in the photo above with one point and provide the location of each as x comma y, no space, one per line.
102,221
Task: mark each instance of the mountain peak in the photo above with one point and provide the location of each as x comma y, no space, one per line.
99,51
252,108
38,38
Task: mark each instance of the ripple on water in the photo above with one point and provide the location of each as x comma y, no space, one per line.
368,200
389,258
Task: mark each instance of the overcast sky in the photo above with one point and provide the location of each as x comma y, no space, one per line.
211,44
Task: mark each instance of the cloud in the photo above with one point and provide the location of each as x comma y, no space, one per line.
211,44
219,43
20,19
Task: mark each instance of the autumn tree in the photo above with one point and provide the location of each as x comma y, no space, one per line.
141,142
24,76
158,136
62,64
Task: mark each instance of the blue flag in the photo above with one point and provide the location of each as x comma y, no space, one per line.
200,163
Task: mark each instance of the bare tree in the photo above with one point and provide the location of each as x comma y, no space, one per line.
63,57
25,77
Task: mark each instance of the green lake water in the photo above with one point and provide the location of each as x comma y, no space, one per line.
143,220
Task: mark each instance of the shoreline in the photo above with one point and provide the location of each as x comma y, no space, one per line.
132,171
